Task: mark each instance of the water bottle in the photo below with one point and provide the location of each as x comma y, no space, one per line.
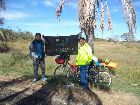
34,56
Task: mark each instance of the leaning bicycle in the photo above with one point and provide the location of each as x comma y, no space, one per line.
97,75
63,65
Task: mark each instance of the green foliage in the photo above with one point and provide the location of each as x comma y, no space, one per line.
10,35
18,63
17,56
4,47
127,57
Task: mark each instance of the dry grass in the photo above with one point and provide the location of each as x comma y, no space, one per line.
22,45
118,98
126,55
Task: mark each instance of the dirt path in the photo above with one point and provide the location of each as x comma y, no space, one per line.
20,91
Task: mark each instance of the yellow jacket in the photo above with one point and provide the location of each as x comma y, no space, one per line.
85,55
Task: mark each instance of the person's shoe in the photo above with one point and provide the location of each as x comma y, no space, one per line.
69,84
34,80
44,79
85,89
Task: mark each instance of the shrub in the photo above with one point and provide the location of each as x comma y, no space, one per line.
18,55
4,48
11,35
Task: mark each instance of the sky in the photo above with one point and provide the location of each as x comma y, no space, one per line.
39,16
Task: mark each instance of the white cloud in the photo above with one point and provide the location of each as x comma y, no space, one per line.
34,3
72,4
69,23
14,15
114,10
16,5
49,3
44,25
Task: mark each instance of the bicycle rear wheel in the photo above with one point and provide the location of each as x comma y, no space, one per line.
60,71
72,76
104,79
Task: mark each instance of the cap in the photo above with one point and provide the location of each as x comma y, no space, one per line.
81,38
38,34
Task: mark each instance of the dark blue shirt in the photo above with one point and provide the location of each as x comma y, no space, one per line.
39,49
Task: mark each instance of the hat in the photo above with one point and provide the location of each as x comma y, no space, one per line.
81,38
37,34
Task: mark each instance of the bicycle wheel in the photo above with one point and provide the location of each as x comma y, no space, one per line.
104,79
72,76
92,77
60,71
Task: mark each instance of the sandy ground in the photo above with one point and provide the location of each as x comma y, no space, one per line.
21,91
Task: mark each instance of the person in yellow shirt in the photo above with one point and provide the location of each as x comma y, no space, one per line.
83,59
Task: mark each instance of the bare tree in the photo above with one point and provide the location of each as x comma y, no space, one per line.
87,10
2,8
128,37
87,16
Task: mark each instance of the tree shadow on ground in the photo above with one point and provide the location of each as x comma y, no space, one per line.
4,84
6,94
12,96
37,98
54,92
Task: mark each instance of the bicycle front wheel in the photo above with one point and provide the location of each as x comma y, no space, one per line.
104,79
60,71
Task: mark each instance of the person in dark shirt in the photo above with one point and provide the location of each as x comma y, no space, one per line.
38,55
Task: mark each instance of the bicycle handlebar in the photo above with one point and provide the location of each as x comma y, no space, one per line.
65,56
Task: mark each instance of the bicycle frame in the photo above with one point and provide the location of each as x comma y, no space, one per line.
61,68
95,75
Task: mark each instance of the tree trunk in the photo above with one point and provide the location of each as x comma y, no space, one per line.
86,10
90,38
